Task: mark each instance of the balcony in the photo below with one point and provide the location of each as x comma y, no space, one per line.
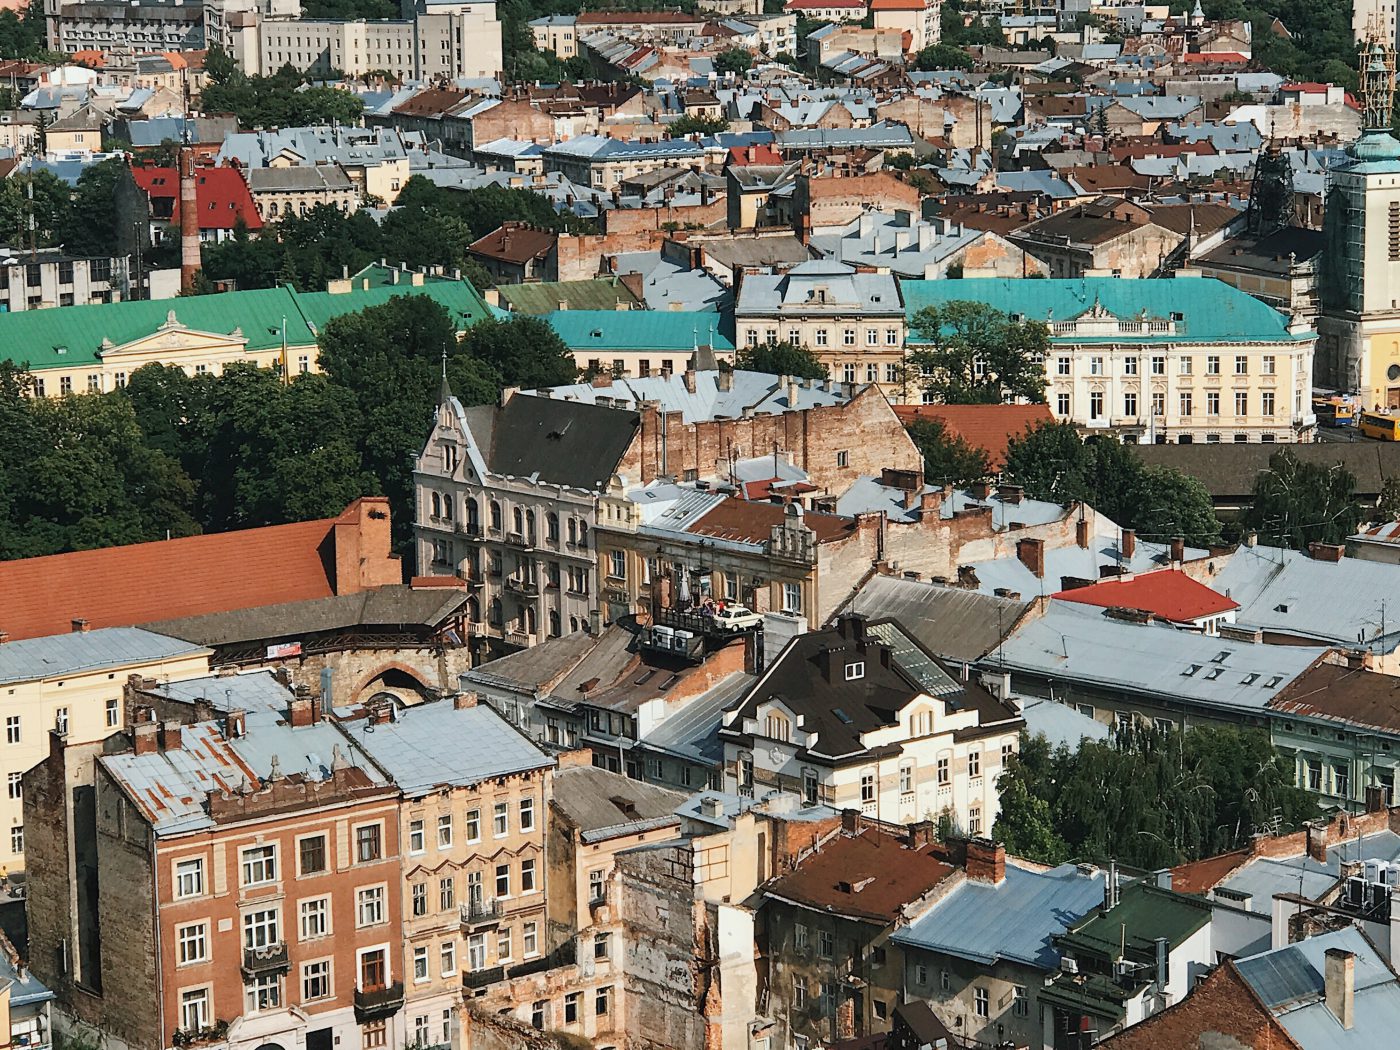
469,528
525,540
523,639
564,955
526,588
482,978
269,959
377,1004
480,914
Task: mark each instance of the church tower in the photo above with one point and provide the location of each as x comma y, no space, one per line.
1359,330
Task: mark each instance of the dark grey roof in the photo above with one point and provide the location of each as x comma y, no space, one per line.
601,805
383,606
559,442
1228,471
536,667
1269,253
950,622
809,678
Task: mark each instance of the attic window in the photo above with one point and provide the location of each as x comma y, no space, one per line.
670,682
1190,670
1249,679
855,670
645,678
1281,608
597,333
842,717
1220,657
1214,673
1274,681
628,807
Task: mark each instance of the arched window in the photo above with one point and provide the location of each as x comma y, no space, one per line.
530,525
554,623
272,210
530,619
573,531
495,515
437,505
447,506
495,616
583,534
551,527
518,518
473,513
573,625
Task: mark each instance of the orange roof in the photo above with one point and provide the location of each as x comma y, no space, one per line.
169,579
988,427
1169,593
91,58
897,5
1201,876
753,522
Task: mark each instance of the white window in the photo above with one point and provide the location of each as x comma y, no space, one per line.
444,828
316,980
1062,365
1020,1002
476,951
194,1009
259,865
527,814
369,906
527,876
529,936
113,713
617,567
502,880
264,992
891,336
854,670
906,778
420,964
415,836
16,785
867,787
315,918
60,721
447,958
792,597
192,943
974,763
12,735
473,825
981,1002
505,944
189,877
261,929
500,819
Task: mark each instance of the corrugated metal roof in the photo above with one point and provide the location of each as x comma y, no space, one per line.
32,659
170,787
1014,920
749,393
951,622
664,331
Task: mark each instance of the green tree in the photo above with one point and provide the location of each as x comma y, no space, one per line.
780,359
42,195
948,458
1299,502
1026,821
89,224
689,125
943,56
978,355
733,60
525,351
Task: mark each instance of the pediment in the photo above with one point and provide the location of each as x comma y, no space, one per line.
173,336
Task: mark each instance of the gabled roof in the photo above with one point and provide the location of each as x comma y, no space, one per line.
558,443
222,196
121,586
515,242
80,652
1168,593
988,427
600,805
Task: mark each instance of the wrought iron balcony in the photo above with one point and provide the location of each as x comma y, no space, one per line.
481,978
376,1004
269,959
476,914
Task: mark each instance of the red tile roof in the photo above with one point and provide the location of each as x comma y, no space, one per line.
221,194
1201,876
746,522
742,156
169,579
897,5
870,875
988,427
515,242
1308,87
1168,593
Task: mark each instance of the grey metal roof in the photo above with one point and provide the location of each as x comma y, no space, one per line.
1262,877
749,393
303,178
693,731
1014,920
1287,591
533,668
1074,562
435,745
603,805
1077,643
952,622
31,659
1290,981
1060,724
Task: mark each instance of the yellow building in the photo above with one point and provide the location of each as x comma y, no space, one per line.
95,348
72,684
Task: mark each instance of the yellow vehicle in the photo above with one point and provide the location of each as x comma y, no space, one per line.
1375,425
1334,412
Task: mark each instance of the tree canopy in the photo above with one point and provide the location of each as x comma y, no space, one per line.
948,458
1147,798
1297,502
1053,463
978,355
277,101
780,359
943,56
733,60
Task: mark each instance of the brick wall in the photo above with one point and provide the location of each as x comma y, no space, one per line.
1220,1014
838,199
516,120
580,257
625,221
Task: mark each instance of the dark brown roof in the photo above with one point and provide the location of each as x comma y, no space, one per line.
1106,178
1093,223
748,521
1201,876
515,242
870,875
1352,695
430,103
1205,218
1221,1010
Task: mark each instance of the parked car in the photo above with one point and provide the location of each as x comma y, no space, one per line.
737,618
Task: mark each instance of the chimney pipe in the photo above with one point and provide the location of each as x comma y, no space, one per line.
1339,984
1178,549
1031,553
1081,533
189,222
1129,544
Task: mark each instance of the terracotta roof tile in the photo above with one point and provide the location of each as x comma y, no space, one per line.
1169,594
1201,876
221,195
741,520
143,582
988,427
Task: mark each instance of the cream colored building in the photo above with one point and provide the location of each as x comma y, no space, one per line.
918,18
1152,360
71,684
295,190
556,34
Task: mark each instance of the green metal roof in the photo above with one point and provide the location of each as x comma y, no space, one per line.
603,293
678,331
1211,311
1143,913
69,336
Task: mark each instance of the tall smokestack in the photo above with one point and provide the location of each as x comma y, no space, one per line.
189,222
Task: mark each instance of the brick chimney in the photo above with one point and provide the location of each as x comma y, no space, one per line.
299,709
980,490
1081,533
1178,549
79,625
1031,553
1128,545
145,738
1010,493
464,701
1317,842
1326,551
578,756
986,861
236,724
170,738
1339,985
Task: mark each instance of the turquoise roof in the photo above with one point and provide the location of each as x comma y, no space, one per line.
678,331
1211,311
1376,152
68,336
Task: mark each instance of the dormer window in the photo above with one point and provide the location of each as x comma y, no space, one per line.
854,670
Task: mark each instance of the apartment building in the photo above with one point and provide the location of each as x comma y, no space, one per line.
930,749
49,277
71,684
226,881
1185,360
123,28
475,797
854,322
